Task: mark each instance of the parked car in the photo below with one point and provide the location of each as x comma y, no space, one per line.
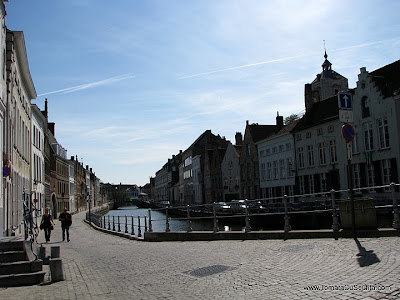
257,207
222,207
238,206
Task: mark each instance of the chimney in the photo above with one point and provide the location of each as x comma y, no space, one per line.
51,127
279,120
238,139
72,158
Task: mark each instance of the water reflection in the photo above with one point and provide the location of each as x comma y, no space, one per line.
159,222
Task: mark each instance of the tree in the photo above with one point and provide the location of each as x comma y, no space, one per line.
290,119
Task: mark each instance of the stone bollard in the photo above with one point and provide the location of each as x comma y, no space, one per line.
56,270
55,252
42,252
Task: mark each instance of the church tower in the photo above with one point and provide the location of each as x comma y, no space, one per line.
327,84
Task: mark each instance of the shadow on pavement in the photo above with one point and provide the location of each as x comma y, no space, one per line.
365,257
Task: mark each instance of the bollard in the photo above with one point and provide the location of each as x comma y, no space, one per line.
189,221
42,252
215,220
126,224
56,269
335,222
139,229
113,228
119,225
132,227
396,218
55,252
109,228
150,225
104,222
287,226
247,218
145,223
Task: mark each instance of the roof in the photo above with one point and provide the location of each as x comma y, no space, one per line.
260,132
387,79
321,112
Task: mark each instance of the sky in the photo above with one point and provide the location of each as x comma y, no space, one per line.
129,83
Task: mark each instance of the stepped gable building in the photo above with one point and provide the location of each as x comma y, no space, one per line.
249,171
325,85
188,178
376,107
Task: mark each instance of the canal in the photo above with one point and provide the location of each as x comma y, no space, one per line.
159,221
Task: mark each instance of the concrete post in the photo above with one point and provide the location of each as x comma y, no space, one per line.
55,252
56,269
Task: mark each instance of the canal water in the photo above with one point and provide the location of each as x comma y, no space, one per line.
158,220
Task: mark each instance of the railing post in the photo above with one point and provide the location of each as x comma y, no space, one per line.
215,228
126,224
104,222
113,224
335,221
119,225
139,229
132,227
189,221
166,220
247,218
287,226
109,222
150,225
396,218
145,223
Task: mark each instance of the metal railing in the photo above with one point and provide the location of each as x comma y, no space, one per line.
285,206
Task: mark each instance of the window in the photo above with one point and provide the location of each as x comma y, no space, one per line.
298,137
356,176
385,165
331,128
290,167
263,174
319,131
301,185
311,184
300,155
354,145
308,134
370,175
365,107
322,154
276,174
323,182
282,168
332,151
368,136
310,155
269,170
383,130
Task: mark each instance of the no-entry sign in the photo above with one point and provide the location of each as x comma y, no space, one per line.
348,132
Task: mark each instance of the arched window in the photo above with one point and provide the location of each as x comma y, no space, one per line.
365,107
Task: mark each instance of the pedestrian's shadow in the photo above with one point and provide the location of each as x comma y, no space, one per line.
365,258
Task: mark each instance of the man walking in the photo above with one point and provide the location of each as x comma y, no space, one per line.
66,221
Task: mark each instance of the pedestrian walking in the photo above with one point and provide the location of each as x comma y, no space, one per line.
47,224
66,222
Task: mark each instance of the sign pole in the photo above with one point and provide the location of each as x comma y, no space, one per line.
351,195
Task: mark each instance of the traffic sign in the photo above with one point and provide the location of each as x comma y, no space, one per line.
348,132
6,171
344,101
346,116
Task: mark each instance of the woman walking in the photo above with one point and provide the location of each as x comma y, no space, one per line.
47,224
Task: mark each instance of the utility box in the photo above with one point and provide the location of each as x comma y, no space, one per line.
364,210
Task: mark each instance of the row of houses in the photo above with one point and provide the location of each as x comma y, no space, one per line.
304,155
37,173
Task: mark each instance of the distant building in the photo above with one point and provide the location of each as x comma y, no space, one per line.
230,168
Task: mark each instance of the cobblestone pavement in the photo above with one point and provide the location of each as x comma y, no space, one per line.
101,266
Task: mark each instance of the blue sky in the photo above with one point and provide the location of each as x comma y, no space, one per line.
130,83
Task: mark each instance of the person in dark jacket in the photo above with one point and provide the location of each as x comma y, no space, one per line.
66,222
47,224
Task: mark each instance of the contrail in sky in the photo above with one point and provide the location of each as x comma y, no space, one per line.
280,59
239,67
89,85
